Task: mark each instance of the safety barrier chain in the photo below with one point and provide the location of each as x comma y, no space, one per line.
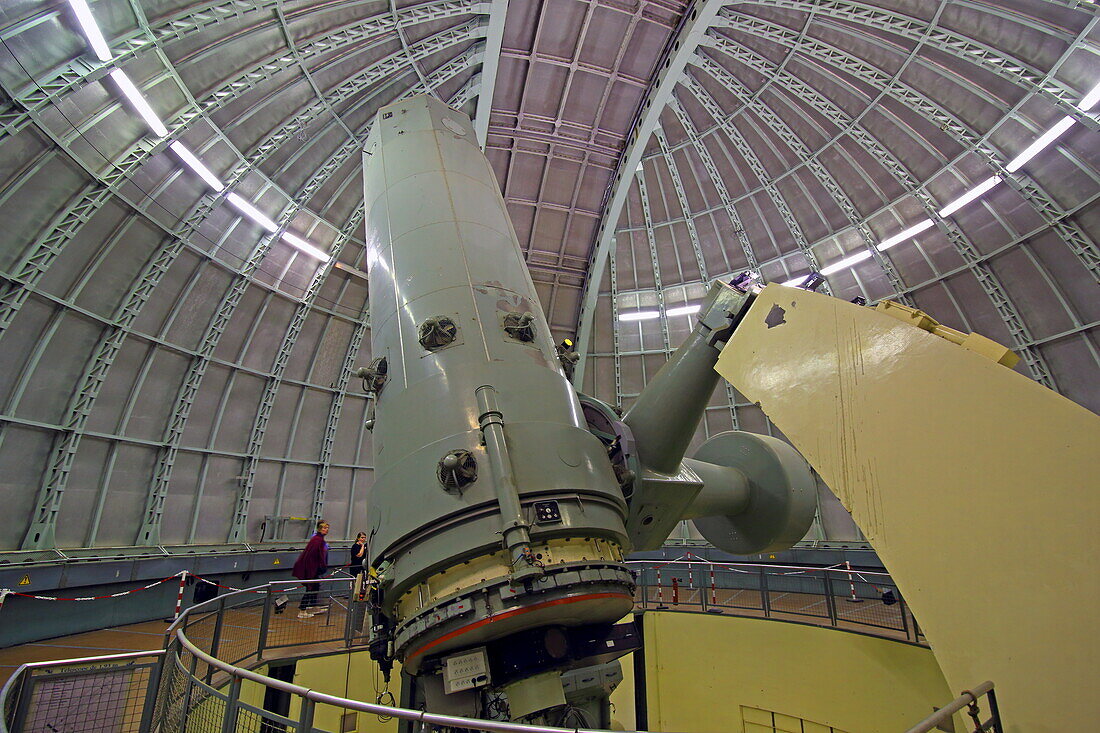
8,592
182,575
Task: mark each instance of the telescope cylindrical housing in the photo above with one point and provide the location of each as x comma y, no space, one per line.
454,311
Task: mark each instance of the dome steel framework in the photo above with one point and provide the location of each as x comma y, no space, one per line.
182,301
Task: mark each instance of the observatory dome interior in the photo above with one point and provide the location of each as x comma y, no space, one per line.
184,263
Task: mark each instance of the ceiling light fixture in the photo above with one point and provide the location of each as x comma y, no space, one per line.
134,96
196,165
844,263
301,244
91,30
1037,147
639,315
1089,100
901,236
683,310
252,212
972,195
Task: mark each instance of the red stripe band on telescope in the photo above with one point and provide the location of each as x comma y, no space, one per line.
510,614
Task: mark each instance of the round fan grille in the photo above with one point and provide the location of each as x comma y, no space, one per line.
457,470
437,332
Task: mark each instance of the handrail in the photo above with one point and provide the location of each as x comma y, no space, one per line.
969,698
216,600
419,716
721,564
177,642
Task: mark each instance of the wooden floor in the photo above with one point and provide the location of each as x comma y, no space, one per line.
141,637
301,637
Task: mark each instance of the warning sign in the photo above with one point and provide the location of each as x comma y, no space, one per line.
276,562
25,580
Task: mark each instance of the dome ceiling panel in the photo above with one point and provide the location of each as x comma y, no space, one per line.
803,134
564,91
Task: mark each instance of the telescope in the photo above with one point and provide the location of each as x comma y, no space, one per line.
504,501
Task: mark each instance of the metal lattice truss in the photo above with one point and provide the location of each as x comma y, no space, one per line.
174,371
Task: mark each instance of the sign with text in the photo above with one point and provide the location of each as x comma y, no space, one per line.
466,671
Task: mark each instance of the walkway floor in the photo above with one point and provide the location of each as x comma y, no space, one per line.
142,637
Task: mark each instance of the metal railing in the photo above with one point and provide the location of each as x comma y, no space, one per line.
200,691
969,700
195,684
110,692
843,598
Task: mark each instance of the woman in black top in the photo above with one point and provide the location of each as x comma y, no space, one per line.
358,552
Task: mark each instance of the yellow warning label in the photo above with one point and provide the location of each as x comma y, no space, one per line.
276,562
25,580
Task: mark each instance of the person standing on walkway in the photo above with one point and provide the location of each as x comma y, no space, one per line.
310,565
355,565
358,552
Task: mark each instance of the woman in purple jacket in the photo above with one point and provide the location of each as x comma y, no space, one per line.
310,565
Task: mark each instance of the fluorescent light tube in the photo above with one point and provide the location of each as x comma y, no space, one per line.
639,315
301,244
845,263
912,231
1037,147
252,212
1089,100
131,93
683,310
196,166
91,30
971,195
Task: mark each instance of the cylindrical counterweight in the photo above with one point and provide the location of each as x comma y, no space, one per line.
458,472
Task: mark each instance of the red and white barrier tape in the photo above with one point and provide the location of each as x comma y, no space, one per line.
179,596
851,583
7,592
182,575
219,585
877,589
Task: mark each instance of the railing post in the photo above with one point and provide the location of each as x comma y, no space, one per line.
191,679
305,720
994,711
764,593
328,602
830,601
23,697
713,594
349,618
229,720
265,622
152,692
904,621
216,639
